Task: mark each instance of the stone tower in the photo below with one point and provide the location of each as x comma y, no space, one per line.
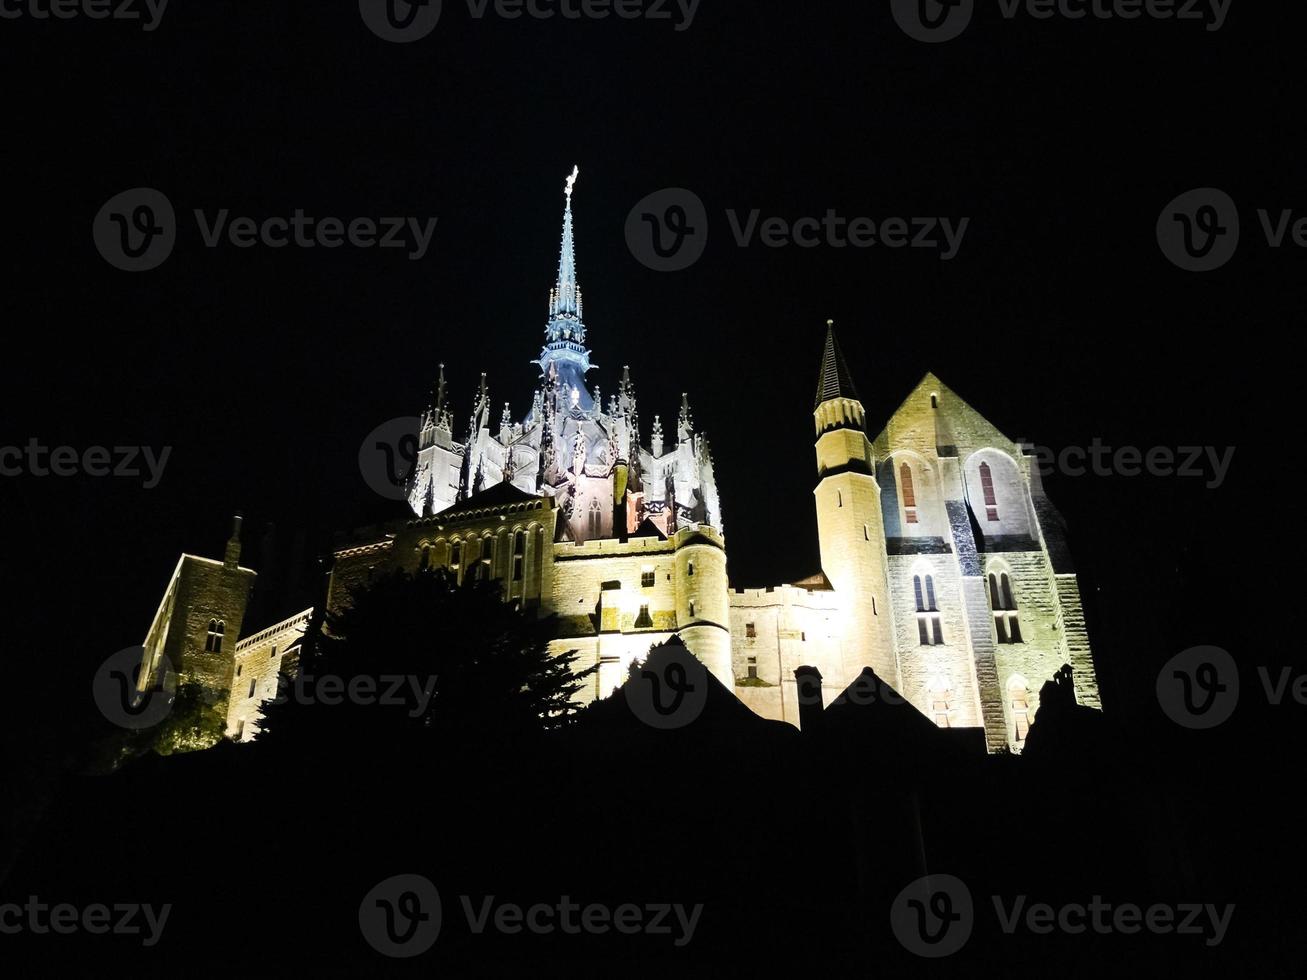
849,525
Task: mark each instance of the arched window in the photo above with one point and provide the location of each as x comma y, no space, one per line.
519,555
425,561
1007,625
909,494
987,488
455,554
1019,704
940,706
595,523
930,630
213,642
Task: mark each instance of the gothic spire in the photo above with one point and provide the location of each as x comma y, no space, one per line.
565,350
834,381
565,297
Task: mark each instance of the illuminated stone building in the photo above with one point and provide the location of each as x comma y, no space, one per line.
943,565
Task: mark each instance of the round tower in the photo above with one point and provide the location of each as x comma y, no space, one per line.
702,604
850,528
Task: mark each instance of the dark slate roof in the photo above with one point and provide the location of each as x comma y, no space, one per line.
815,583
500,495
834,380
648,529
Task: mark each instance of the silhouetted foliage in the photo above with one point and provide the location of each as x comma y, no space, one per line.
419,653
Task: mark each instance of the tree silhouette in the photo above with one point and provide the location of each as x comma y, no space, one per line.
417,654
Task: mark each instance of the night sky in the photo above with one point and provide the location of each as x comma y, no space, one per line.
1059,318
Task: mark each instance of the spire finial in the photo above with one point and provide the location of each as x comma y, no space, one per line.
833,380
571,181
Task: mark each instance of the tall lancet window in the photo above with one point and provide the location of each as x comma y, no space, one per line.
594,526
519,555
987,488
930,630
1007,625
909,494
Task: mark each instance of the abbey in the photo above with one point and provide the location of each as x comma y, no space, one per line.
944,567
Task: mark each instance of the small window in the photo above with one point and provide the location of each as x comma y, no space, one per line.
753,672
940,702
647,578
238,670
689,568
253,681
240,728
213,641
691,607
272,654
987,488
751,631
1007,625
909,494
1019,702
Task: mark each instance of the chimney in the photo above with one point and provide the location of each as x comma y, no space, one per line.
808,685
231,558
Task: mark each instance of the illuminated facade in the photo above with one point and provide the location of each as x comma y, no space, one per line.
943,565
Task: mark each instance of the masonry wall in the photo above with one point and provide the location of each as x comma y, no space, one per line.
792,627
934,673
258,663
200,592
